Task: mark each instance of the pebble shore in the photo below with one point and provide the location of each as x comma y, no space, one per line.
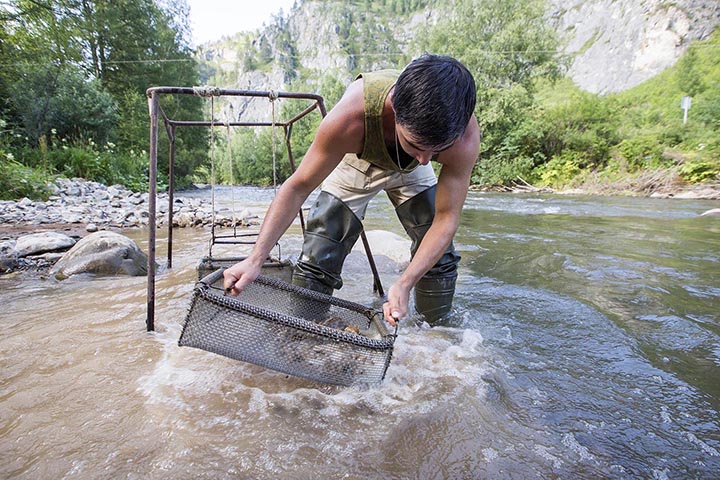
78,207
92,206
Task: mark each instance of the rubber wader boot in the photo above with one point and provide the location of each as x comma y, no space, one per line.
330,233
435,291
434,297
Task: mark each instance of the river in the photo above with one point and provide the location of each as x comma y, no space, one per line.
584,344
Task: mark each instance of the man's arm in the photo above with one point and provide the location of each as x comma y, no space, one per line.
453,183
338,133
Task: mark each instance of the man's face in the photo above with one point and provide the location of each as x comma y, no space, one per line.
416,148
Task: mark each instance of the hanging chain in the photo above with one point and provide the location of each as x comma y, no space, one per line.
273,96
232,177
212,163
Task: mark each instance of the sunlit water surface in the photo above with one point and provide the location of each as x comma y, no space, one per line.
583,344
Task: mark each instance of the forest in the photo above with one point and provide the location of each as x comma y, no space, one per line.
74,75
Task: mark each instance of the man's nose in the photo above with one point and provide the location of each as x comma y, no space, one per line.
423,158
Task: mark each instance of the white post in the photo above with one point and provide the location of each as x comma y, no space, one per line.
685,103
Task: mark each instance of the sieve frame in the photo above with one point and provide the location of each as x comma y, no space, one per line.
206,291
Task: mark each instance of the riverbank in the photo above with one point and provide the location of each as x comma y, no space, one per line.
652,185
78,207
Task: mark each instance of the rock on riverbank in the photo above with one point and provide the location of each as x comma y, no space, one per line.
78,207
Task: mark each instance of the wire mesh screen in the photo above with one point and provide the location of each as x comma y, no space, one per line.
273,267
290,329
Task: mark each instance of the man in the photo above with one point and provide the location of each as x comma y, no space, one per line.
382,135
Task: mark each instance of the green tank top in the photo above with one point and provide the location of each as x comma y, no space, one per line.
376,87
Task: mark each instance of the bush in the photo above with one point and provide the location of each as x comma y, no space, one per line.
18,181
561,170
641,152
254,159
501,171
88,161
700,170
62,100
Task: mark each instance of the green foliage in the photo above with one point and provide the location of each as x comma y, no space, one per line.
303,131
689,75
569,133
506,45
699,171
249,158
641,152
59,99
77,73
561,134
259,164
561,170
500,171
87,160
72,94
18,181
576,128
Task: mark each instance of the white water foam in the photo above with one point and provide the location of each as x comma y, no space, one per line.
571,442
428,365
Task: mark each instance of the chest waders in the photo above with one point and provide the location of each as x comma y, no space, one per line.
434,292
331,231
333,227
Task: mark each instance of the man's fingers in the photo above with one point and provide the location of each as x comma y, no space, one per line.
233,285
229,283
392,315
237,286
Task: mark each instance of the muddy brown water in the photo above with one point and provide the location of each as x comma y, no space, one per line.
583,344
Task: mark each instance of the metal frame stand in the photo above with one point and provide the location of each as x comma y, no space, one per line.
154,94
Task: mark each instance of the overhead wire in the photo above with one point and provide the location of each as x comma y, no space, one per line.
178,60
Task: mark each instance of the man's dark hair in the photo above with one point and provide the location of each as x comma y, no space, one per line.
434,98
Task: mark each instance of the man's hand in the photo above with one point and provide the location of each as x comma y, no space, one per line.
240,275
397,304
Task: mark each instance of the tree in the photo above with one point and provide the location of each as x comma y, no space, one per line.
507,45
58,99
36,47
98,48
688,75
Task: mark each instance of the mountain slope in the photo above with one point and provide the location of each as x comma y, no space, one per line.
613,45
617,44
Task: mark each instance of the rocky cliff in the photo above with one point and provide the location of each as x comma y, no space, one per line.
613,44
617,44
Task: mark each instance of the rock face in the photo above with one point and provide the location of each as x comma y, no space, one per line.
314,36
618,44
106,253
614,44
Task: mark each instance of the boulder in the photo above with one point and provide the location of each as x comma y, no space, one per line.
105,253
713,212
8,264
389,244
8,256
37,243
7,247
